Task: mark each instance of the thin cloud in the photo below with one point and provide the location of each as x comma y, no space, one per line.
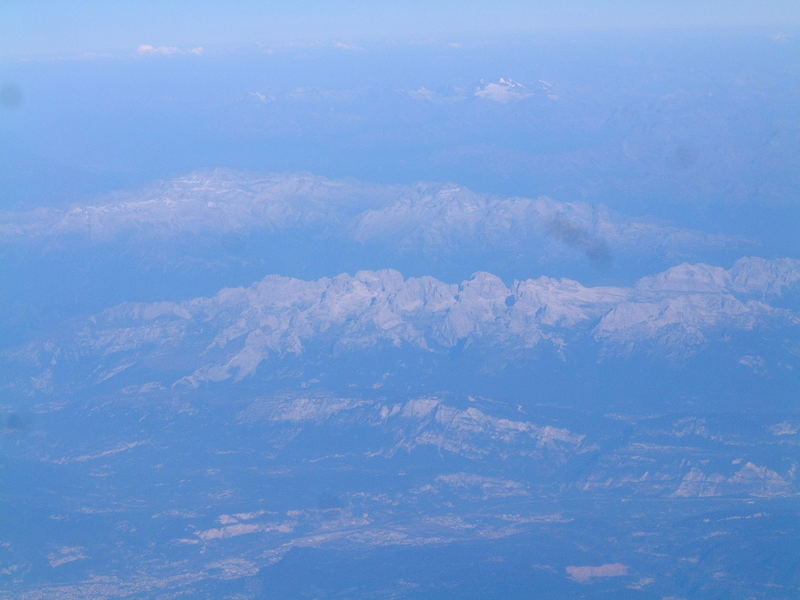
346,46
429,95
548,89
272,48
150,50
261,97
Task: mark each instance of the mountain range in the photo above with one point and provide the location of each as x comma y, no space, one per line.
605,435
238,332
419,218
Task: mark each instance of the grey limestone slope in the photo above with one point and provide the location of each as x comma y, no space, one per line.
232,334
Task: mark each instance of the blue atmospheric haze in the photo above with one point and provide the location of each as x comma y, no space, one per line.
399,300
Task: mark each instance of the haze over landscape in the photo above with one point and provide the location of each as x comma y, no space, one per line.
332,301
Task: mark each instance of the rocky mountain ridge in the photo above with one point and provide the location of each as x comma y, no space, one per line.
420,217
230,335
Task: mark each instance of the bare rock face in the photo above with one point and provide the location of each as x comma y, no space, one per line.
751,479
238,330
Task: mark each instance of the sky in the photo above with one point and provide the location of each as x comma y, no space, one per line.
51,28
685,111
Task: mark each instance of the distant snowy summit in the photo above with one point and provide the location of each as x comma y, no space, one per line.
236,332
